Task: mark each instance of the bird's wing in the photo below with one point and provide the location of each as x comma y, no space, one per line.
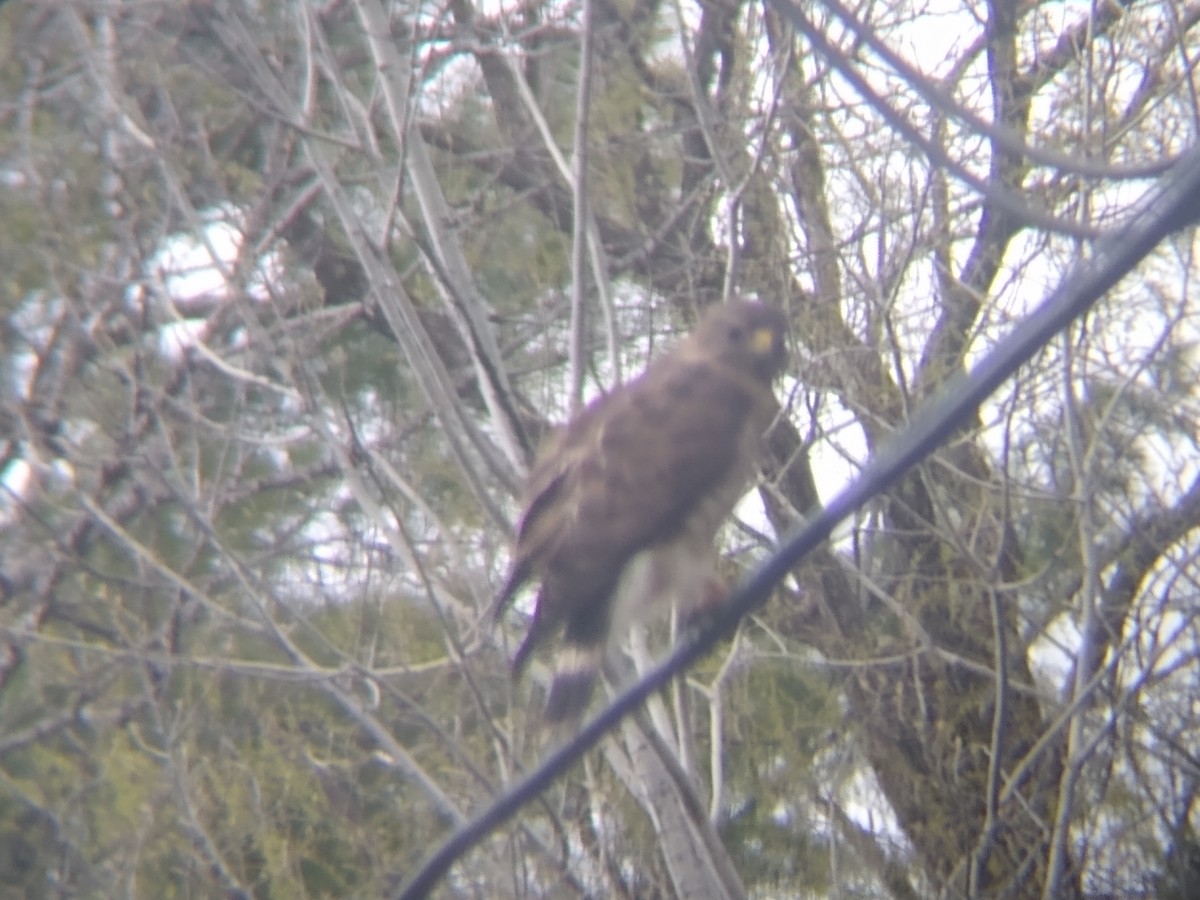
632,473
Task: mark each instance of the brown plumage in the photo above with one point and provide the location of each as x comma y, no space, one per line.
623,503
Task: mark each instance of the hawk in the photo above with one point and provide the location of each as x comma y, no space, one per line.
623,503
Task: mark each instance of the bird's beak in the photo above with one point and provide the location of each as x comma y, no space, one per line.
763,342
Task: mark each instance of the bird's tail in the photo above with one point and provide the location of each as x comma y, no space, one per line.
513,583
576,669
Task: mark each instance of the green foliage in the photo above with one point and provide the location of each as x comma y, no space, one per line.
784,715
294,801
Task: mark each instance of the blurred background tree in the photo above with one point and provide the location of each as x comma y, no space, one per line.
289,293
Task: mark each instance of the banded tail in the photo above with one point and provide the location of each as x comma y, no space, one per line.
576,670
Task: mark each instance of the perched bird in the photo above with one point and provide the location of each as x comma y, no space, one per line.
624,502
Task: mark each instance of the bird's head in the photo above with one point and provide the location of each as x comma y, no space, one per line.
745,334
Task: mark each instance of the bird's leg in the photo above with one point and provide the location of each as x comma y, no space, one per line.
712,596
